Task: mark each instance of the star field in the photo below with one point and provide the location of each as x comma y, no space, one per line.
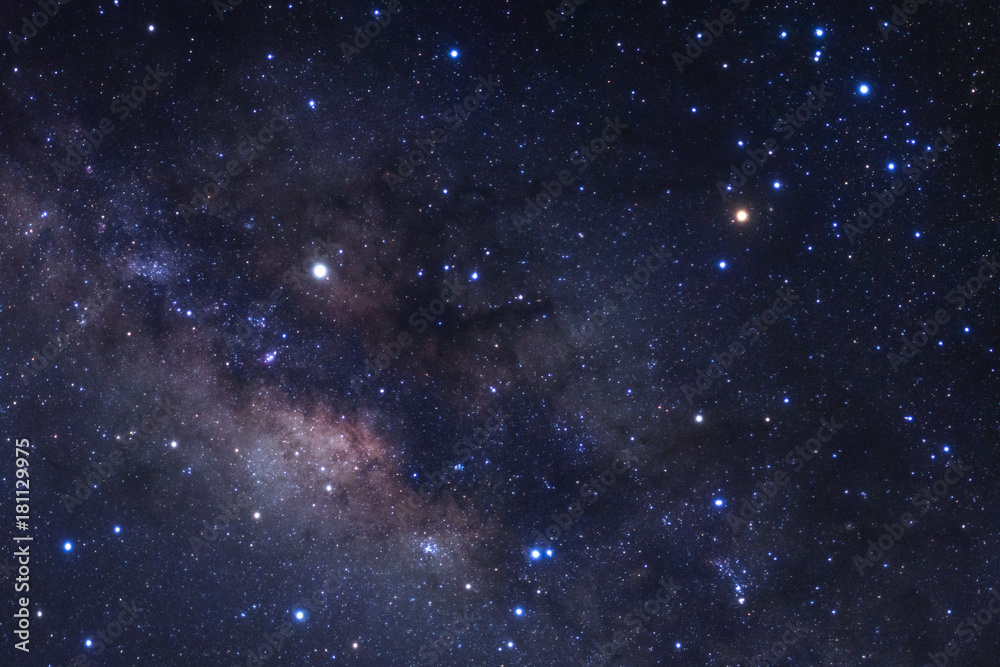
559,333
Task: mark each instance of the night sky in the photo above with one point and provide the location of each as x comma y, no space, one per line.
510,333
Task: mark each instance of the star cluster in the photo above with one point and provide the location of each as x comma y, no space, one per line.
514,334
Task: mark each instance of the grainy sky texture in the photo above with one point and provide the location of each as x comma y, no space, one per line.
509,333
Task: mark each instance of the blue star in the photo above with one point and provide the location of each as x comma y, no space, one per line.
453,53
819,32
68,546
722,265
536,554
863,89
718,502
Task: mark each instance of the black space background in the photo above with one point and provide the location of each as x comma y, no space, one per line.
298,427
